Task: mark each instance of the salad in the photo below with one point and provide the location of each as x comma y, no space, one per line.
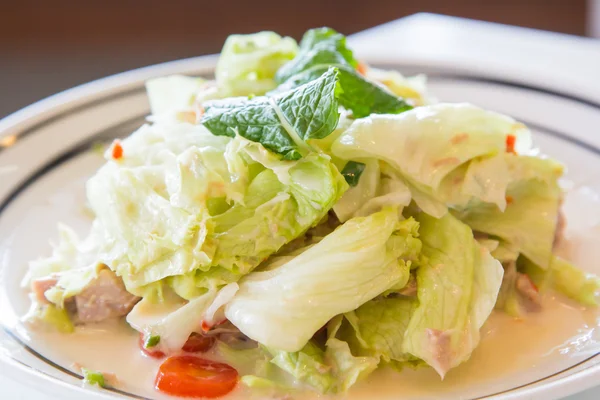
305,219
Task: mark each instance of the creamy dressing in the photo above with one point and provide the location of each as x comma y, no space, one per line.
511,352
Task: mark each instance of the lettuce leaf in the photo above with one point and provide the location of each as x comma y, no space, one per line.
428,144
274,213
273,372
565,278
331,371
156,228
413,89
248,63
528,223
371,253
355,197
49,317
171,94
508,298
378,328
457,288
377,189
281,123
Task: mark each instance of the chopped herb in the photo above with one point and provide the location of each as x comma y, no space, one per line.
93,377
117,149
510,143
151,341
352,172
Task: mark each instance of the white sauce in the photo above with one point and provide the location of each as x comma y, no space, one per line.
511,353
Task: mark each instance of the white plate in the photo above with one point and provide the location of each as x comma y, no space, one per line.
41,178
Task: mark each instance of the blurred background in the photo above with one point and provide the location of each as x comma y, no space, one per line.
50,45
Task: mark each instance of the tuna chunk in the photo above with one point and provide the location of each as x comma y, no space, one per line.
40,286
104,298
529,293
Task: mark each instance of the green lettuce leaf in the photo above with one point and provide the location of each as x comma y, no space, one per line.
275,372
281,123
172,320
308,365
428,144
457,288
509,300
377,189
505,252
171,94
49,317
248,63
372,254
527,224
565,278
378,328
355,197
334,370
246,234
73,262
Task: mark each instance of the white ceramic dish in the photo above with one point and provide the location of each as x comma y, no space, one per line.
44,161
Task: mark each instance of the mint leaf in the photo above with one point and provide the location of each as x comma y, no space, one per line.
352,172
152,341
360,95
364,97
320,46
281,123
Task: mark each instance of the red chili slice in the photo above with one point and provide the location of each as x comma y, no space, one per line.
117,149
510,143
362,68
